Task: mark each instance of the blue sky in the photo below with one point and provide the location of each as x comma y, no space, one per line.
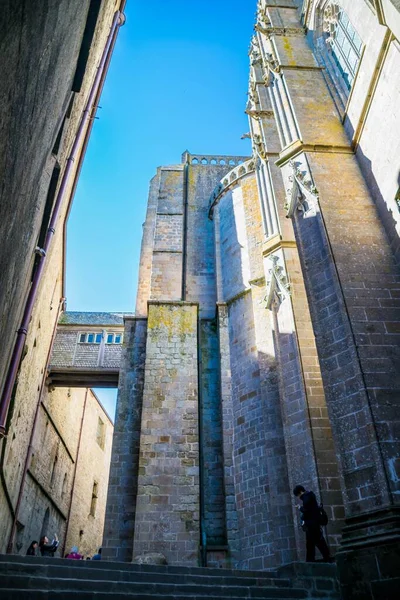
177,81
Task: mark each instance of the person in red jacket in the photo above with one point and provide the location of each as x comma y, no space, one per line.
74,554
311,524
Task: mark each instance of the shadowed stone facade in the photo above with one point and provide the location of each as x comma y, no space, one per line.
290,257
264,350
70,458
51,53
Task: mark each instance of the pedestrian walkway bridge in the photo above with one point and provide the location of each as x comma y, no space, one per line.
87,350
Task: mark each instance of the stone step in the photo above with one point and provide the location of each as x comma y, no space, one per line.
21,594
29,583
10,558
320,579
70,572
48,578
84,569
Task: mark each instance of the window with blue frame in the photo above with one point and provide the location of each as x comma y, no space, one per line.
346,47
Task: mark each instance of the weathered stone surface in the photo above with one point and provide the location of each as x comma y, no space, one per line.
167,514
121,501
37,577
150,558
40,45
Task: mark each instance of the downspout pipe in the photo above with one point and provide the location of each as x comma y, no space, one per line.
22,332
33,430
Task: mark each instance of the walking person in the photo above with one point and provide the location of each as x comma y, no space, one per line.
312,519
32,549
47,549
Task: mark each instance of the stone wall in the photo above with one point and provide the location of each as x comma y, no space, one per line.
48,37
340,185
167,509
86,524
122,490
64,460
41,51
166,271
41,116
256,425
249,445
211,435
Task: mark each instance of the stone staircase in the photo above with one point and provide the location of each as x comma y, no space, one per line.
34,578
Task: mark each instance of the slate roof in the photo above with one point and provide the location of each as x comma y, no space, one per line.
92,318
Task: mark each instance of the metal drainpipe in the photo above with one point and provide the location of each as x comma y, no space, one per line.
30,445
74,475
203,533
118,20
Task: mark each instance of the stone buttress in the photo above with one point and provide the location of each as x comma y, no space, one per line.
344,262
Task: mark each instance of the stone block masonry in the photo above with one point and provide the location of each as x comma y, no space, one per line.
210,413
121,502
167,507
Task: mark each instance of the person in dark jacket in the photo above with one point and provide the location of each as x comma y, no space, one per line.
311,524
32,549
47,549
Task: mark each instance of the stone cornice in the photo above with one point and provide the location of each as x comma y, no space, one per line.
297,147
259,114
238,296
257,281
302,67
279,6
96,328
270,30
167,251
134,318
171,303
275,243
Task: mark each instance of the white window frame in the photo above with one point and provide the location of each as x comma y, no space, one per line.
86,334
114,335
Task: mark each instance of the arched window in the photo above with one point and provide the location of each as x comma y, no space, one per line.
64,486
93,502
45,523
338,46
53,470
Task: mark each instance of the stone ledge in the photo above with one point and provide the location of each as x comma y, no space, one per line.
171,302
298,147
237,296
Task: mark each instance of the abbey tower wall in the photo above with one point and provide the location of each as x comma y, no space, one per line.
287,260
220,430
